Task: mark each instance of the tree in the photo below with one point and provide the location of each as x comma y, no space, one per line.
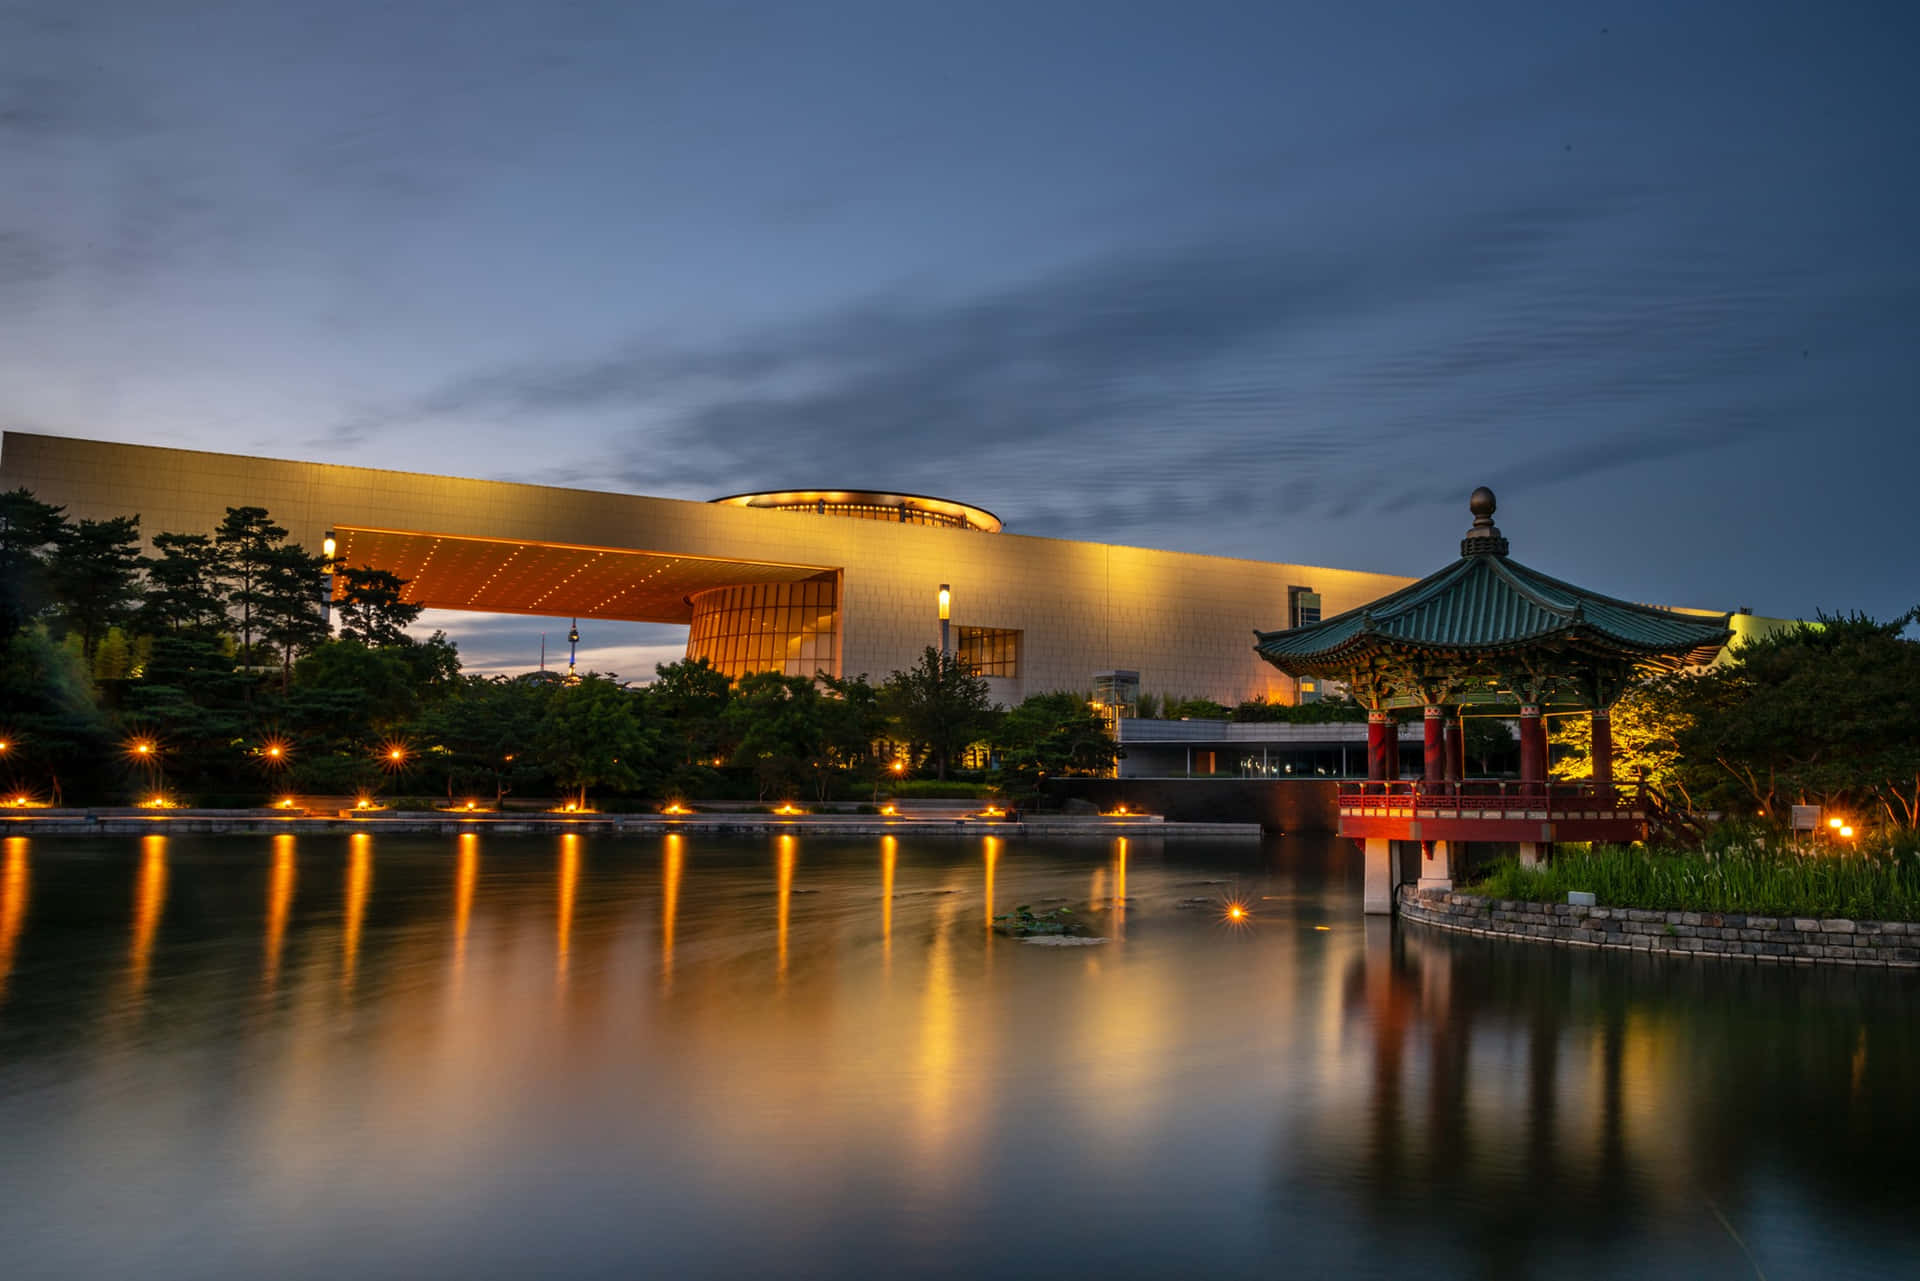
1825,712
245,542
289,605
1647,722
488,729
1051,735
940,704
689,700
371,610
183,586
1485,740
779,729
94,577
593,735
851,721
375,687
29,530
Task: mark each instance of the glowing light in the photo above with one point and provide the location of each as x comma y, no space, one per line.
1834,823
364,804
785,902
993,811
946,602
890,810
899,767
889,856
359,881
395,754
1324,928
1237,913
1846,832
13,904
20,801
788,809
140,747
569,889
149,904
279,901
675,808
285,803
4,745
671,865
158,802
326,546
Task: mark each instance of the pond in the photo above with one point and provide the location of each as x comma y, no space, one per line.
397,1056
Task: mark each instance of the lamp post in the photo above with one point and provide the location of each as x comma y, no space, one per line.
327,546
946,602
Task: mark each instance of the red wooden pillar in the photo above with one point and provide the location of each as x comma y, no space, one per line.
1379,735
1456,749
1603,754
1533,750
1436,745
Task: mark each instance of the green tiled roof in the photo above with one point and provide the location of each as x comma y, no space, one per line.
1485,603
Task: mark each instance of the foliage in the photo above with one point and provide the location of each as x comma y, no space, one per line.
1050,735
931,789
1192,709
1485,740
1647,723
690,697
94,577
484,732
939,705
1826,712
182,588
593,735
371,610
1328,711
244,545
1761,875
1023,922
29,529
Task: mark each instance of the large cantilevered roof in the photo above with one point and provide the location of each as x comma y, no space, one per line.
506,576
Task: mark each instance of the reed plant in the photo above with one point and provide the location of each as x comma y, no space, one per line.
1740,870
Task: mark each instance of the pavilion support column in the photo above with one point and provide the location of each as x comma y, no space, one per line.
1382,876
1532,853
1433,722
1379,735
1455,745
1533,750
1603,755
1436,865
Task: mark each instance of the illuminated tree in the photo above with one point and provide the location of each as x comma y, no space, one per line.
939,704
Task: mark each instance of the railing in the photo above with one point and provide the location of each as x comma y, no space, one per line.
1486,795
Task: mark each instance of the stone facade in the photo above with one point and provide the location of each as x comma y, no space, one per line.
1777,940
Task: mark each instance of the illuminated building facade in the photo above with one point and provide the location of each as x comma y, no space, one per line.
842,582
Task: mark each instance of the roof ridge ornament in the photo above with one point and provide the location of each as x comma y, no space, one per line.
1485,538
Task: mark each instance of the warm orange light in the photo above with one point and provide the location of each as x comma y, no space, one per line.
141,747
889,809
1846,832
788,808
21,801
1237,913
394,754
899,767
4,744
946,602
285,802
1834,823
675,807
363,804
993,811
157,802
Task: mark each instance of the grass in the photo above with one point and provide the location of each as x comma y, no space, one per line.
1746,872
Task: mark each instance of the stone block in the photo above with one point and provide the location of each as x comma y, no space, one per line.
1835,925
1642,943
1691,918
1762,923
1806,925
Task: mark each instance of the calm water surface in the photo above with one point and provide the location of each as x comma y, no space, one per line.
396,1056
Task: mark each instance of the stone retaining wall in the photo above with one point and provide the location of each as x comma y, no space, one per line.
1780,940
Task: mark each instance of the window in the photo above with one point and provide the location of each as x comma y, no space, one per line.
767,627
988,651
1303,606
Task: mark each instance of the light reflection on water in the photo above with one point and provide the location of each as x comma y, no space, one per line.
386,1055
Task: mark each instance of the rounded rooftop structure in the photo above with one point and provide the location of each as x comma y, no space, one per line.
869,504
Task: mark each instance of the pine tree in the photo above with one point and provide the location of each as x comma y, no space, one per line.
371,610
29,529
183,586
94,577
289,610
246,542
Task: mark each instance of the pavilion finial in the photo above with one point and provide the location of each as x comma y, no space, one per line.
1484,539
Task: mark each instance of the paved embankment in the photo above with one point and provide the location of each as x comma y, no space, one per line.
1778,940
122,823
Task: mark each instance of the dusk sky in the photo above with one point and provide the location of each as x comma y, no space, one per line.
1266,280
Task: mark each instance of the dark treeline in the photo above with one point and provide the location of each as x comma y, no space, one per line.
207,673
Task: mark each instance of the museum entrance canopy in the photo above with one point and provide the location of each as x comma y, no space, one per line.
555,580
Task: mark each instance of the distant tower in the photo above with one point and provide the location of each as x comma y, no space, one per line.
573,649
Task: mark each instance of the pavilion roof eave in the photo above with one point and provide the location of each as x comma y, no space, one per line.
1367,645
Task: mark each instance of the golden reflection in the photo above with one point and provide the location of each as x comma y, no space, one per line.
786,898
359,878
939,1044
992,859
279,901
13,903
889,856
671,864
1120,888
149,902
569,885
466,872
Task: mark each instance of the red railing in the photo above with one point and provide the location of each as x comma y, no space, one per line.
1501,795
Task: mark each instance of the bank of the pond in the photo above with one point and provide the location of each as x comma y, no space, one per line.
259,822
1766,939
